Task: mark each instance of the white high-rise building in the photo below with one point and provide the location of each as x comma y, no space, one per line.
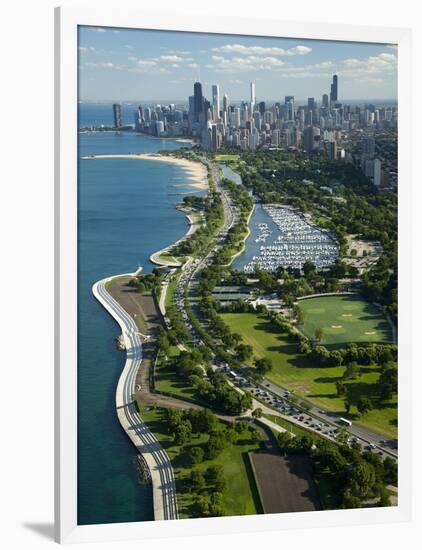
215,92
253,98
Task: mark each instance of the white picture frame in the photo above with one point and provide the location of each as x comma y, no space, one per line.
67,22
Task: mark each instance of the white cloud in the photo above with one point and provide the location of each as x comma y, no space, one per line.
146,62
380,64
262,51
172,59
193,65
132,58
242,64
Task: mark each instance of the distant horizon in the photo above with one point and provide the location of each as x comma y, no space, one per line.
167,101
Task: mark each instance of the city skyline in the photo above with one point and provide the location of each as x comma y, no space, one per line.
139,65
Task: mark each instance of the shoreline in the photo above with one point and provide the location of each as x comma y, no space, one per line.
193,226
155,456
196,172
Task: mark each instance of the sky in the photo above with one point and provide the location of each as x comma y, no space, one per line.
144,65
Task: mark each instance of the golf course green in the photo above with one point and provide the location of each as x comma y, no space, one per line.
344,319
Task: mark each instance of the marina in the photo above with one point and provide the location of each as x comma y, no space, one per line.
288,240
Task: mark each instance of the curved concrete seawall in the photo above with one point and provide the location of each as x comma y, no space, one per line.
160,467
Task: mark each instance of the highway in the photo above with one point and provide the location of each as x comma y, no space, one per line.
160,467
366,436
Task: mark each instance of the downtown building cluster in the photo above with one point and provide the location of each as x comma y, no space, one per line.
324,126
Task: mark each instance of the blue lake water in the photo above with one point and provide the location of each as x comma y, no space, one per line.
125,212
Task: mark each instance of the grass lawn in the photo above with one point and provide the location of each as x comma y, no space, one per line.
292,428
240,496
168,381
344,319
296,372
167,257
226,158
171,289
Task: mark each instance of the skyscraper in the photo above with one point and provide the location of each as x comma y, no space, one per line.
215,92
117,113
289,102
197,99
334,89
325,100
253,98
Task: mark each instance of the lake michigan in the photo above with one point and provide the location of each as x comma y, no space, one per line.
125,212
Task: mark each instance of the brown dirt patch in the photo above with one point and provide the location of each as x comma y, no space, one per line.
286,483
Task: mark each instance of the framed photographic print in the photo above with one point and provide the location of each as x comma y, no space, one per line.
228,251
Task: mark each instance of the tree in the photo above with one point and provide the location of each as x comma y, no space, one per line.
340,388
390,471
216,504
202,420
342,436
364,404
201,506
300,315
319,333
244,352
351,501
285,441
384,499
214,473
263,365
196,455
182,432
351,371
257,413
308,267
347,405
196,480
361,480
216,443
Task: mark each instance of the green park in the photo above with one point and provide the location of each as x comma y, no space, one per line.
317,384
233,480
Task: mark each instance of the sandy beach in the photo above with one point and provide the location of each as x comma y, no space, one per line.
196,171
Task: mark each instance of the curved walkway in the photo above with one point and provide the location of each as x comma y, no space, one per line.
162,476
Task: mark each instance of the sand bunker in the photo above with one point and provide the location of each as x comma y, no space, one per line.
347,315
336,326
369,333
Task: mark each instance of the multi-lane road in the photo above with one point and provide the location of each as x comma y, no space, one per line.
160,467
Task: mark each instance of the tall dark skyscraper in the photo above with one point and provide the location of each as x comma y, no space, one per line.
325,100
198,99
334,89
117,112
